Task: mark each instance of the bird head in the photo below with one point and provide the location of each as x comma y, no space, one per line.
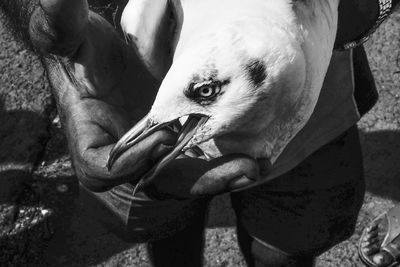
245,75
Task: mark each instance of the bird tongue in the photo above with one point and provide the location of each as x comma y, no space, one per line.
142,130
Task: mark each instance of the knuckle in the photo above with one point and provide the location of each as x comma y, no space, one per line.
89,179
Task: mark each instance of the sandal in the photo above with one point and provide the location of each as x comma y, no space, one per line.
384,234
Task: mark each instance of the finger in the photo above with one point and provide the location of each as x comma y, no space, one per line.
133,164
58,26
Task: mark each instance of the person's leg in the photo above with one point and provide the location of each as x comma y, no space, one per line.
182,249
257,254
173,229
294,218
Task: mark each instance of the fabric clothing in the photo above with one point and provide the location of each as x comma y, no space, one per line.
365,92
335,112
141,219
305,211
336,109
311,208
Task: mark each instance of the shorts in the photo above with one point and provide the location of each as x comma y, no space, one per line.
303,212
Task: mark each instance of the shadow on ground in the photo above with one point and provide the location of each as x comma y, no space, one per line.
18,149
382,163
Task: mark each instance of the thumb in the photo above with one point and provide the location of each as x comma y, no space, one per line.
58,26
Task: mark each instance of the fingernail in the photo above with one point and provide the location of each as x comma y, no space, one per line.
239,182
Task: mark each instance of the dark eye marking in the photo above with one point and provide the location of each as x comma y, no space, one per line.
205,92
257,72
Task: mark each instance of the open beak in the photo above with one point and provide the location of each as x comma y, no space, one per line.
144,128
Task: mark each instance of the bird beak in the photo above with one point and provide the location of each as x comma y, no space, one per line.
146,127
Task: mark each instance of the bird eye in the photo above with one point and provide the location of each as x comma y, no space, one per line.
207,91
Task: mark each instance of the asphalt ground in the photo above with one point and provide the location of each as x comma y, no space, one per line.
42,222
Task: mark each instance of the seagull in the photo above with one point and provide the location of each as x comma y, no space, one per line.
242,76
